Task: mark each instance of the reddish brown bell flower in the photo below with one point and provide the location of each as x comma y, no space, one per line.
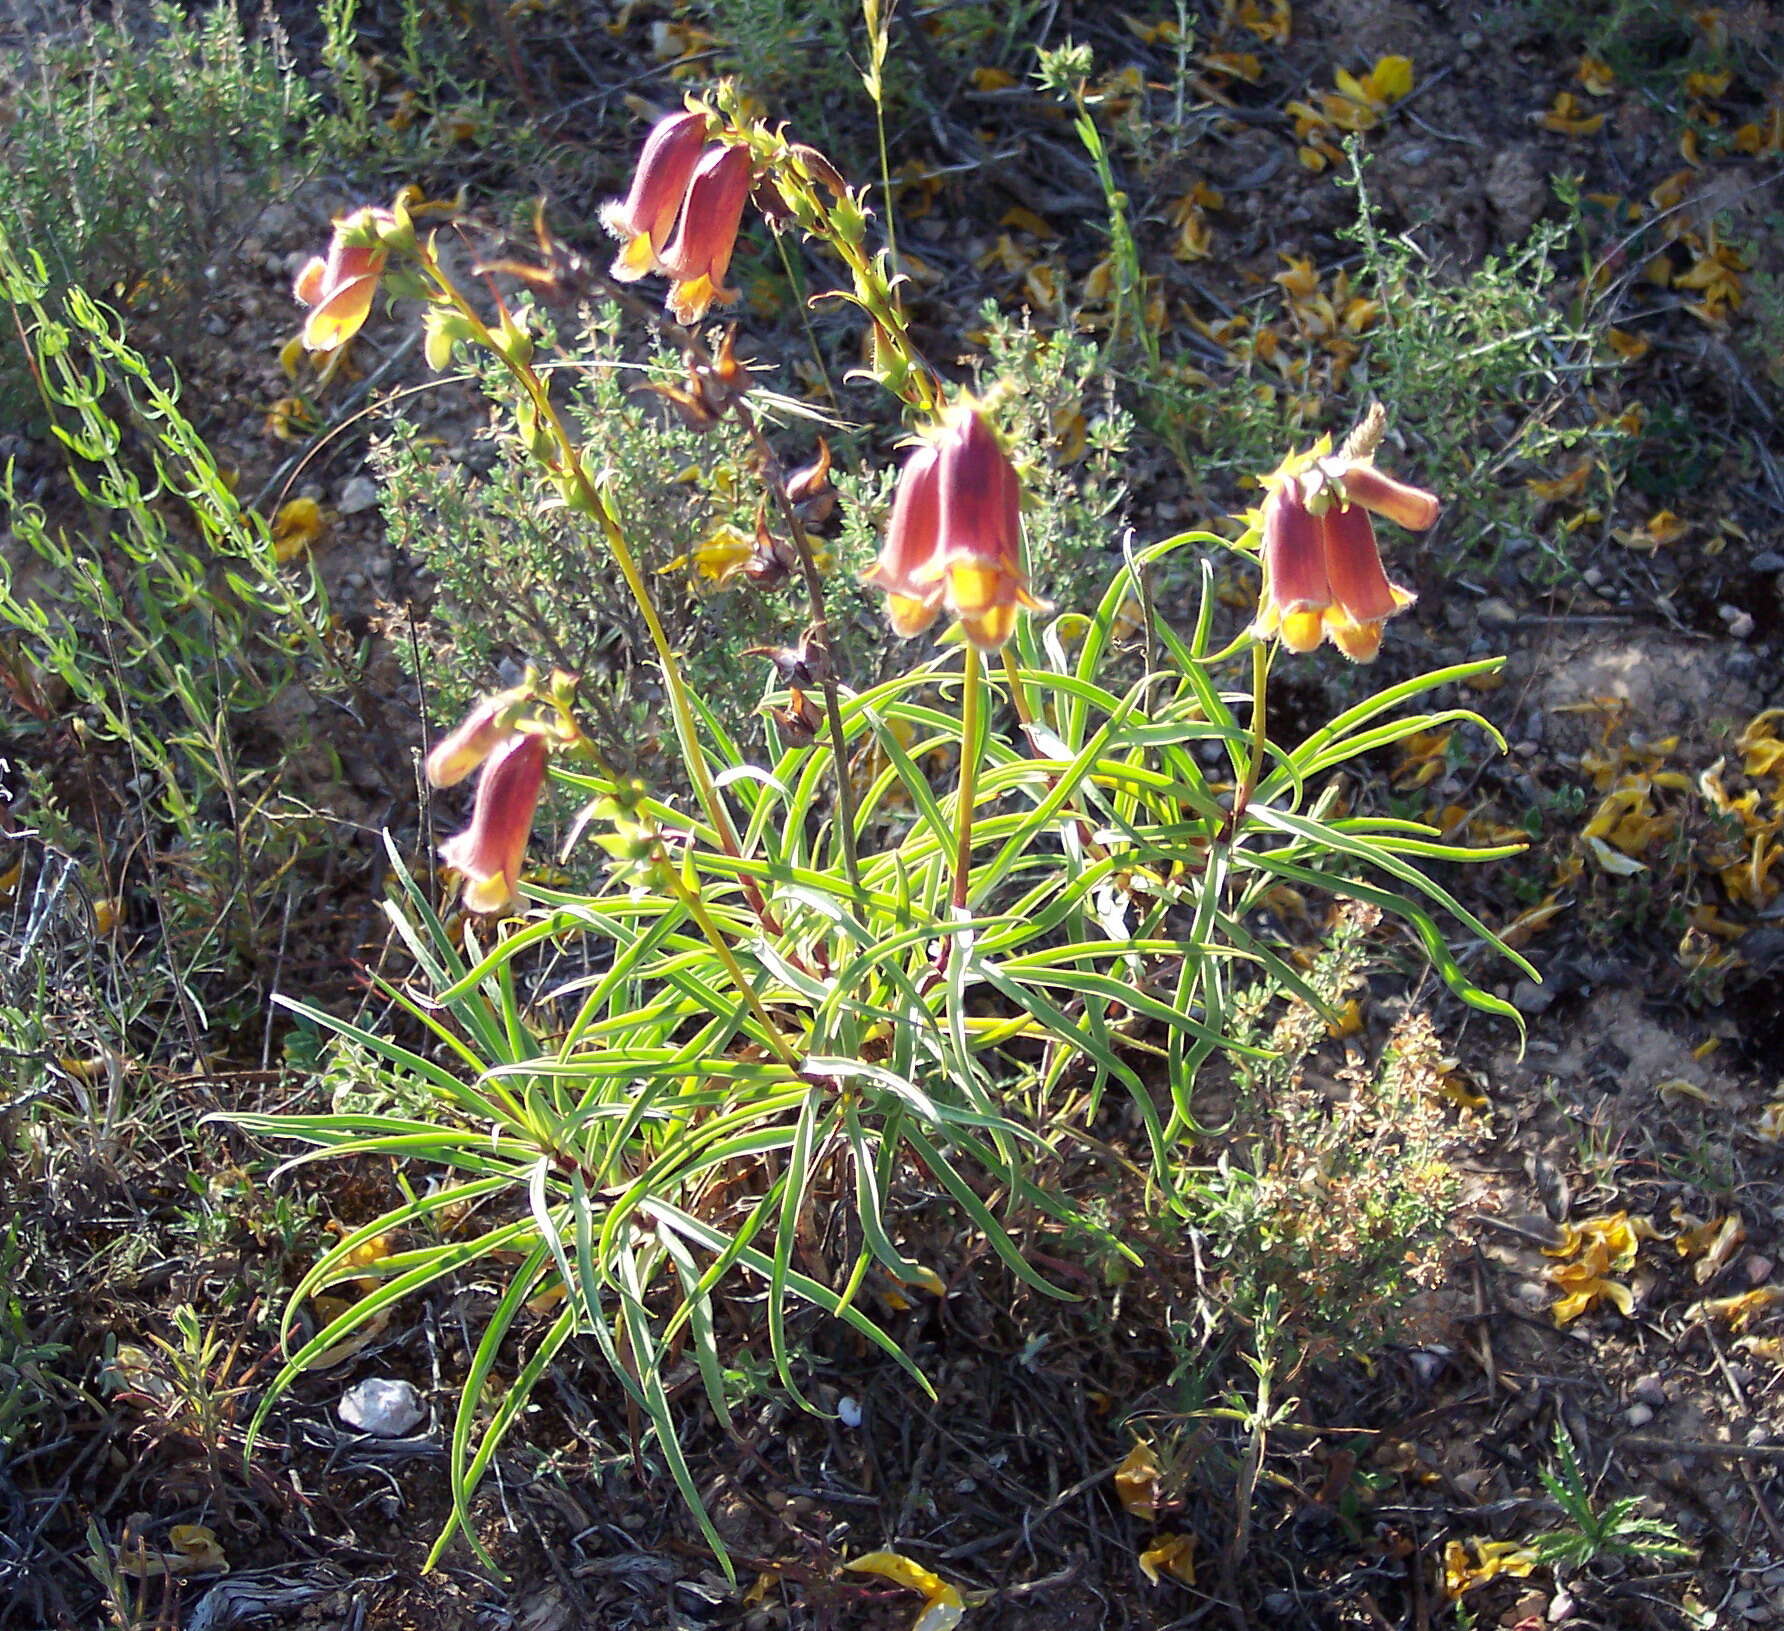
955,538
699,254
1323,577
492,850
476,736
338,288
644,220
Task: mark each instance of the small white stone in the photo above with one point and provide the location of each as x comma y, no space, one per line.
381,1406
848,1410
358,495
1638,1415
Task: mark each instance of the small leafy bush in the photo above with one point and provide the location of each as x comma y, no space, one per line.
135,151
154,640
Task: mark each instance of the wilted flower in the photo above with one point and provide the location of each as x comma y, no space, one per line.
955,539
338,287
645,219
478,735
1323,577
810,491
492,850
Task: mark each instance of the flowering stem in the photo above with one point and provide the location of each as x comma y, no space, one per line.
696,909
581,494
969,777
820,624
1254,770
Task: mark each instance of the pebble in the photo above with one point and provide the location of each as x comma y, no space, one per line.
1496,611
1650,1390
381,1406
1739,622
1530,998
1767,560
1639,1415
1533,1294
357,496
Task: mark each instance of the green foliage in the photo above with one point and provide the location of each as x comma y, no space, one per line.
1619,1530
1461,359
731,1038
134,153
30,1387
161,632
1325,1202
521,580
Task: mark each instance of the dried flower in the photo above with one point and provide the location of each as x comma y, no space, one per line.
1323,577
699,254
810,491
491,851
799,722
645,219
477,735
955,538
338,288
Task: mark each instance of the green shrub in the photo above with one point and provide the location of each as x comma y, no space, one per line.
137,152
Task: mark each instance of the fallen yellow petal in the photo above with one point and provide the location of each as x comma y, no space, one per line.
1137,1480
944,1606
1174,1555
295,528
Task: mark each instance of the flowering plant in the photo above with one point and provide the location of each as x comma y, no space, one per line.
828,974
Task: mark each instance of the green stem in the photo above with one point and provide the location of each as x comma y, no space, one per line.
970,707
587,498
820,624
1254,769
696,909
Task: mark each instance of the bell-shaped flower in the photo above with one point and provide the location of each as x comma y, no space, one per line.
698,256
955,539
492,850
1323,577
338,287
644,220
476,736
912,536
